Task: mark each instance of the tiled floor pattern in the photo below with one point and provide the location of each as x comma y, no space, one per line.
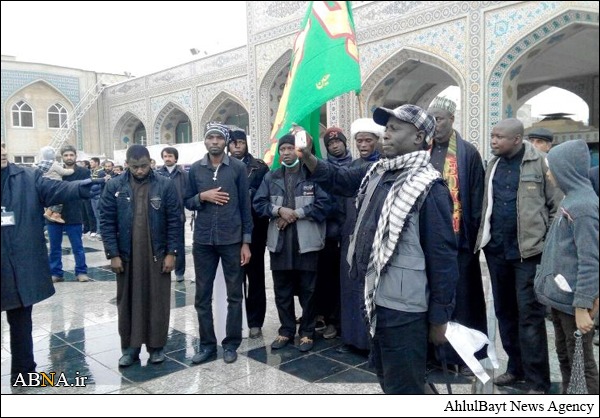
75,332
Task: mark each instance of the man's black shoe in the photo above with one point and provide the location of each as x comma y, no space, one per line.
344,349
229,356
157,356
128,359
507,379
203,356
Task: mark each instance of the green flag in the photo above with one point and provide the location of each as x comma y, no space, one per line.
324,65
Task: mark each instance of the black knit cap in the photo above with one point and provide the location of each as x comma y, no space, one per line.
236,135
334,133
286,139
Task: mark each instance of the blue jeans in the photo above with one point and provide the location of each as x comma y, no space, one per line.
206,261
95,201
55,234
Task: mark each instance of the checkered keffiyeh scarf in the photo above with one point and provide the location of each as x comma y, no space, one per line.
399,201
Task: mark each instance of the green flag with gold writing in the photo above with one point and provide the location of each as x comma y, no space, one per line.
324,65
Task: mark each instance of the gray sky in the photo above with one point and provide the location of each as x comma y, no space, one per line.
114,37
142,38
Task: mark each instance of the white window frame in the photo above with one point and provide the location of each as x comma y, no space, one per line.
59,108
19,111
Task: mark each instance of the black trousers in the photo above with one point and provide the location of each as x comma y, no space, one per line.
521,318
256,297
21,341
285,282
328,283
206,261
399,351
564,327
180,259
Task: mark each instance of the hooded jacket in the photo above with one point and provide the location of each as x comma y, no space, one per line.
571,247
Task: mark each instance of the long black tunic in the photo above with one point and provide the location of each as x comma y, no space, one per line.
143,291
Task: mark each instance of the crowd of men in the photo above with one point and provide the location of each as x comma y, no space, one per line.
382,250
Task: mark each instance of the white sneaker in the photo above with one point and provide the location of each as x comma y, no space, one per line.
93,235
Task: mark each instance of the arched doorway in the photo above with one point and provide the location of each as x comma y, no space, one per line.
227,109
563,52
129,130
172,126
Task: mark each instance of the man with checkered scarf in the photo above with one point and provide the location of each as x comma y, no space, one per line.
403,245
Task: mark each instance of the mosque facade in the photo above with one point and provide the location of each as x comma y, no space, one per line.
498,54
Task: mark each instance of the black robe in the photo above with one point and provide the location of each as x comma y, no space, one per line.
143,290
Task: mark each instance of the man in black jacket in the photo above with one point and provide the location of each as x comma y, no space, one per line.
140,218
180,177
256,298
25,268
218,192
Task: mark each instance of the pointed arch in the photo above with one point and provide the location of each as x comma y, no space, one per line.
271,88
19,93
164,129
410,76
504,91
220,103
126,127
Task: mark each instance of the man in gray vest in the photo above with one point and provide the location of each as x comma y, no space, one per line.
403,245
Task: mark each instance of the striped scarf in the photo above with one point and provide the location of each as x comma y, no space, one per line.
405,191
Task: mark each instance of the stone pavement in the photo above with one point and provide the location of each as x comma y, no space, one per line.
75,332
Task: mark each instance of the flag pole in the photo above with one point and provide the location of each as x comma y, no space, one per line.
360,105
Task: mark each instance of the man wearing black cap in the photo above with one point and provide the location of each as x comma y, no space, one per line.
218,192
541,138
256,299
403,245
297,208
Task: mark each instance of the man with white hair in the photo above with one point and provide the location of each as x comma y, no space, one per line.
366,134
460,164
